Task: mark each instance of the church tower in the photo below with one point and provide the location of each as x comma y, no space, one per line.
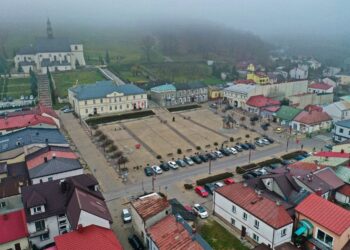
49,29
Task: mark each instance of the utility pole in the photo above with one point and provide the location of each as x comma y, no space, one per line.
249,155
153,180
209,166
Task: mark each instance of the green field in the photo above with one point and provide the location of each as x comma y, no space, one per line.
65,80
15,87
219,238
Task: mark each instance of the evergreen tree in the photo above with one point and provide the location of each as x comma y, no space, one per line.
33,83
107,58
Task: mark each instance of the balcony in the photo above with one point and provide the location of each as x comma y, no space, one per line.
38,233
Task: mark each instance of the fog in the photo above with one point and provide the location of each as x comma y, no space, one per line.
266,18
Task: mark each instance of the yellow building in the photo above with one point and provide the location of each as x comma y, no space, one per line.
215,93
257,77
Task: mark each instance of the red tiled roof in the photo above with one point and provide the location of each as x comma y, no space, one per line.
345,190
16,122
88,238
308,166
272,109
323,86
311,107
262,101
312,117
150,205
244,81
40,159
261,207
329,176
325,213
170,234
13,226
332,154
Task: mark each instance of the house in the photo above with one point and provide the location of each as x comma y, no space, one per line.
255,76
343,79
322,224
148,210
313,121
330,159
286,114
14,123
172,232
342,195
299,73
90,237
54,53
57,207
13,231
238,94
164,95
330,81
341,131
257,104
339,111
331,71
105,97
314,64
343,172
255,216
215,92
320,88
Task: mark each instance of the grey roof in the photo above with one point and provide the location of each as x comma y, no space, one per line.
27,63
46,45
190,85
102,89
241,88
47,63
54,166
29,136
344,123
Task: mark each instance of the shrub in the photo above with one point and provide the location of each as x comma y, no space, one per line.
246,168
94,127
112,148
179,151
215,143
188,186
269,162
247,136
159,157
112,118
187,107
232,139
292,155
198,148
213,178
98,133
103,137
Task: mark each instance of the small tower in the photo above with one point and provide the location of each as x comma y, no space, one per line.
49,29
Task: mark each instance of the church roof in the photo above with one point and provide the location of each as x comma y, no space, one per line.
46,45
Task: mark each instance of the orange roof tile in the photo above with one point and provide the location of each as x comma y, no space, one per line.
150,205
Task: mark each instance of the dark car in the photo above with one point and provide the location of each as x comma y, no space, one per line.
264,127
253,174
238,148
164,166
181,163
245,146
225,151
196,159
299,158
328,146
247,176
285,162
210,187
135,242
254,118
204,157
251,145
269,139
148,171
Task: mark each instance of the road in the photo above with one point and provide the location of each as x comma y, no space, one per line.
111,76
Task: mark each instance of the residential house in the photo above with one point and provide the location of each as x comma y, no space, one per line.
343,172
345,98
314,64
320,88
286,114
106,97
215,92
342,195
338,110
299,73
164,95
322,224
172,232
341,131
57,207
304,99
313,121
331,71
148,210
330,81
255,76
90,237
255,216
330,159
238,94
343,79
53,53
258,104
13,231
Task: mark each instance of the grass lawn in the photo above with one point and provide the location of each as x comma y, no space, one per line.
219,238
65,80
15,87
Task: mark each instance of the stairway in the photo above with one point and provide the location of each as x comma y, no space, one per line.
44,90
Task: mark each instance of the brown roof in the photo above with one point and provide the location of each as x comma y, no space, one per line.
329,176
262,246
150,205
345,190
312,117
170,234
286,246
10,186
263,208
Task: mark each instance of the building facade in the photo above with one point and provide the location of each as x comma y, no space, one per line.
341,131
312,121
339,111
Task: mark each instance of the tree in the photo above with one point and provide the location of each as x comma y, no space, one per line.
33,83
77,64
51,87
147,45
285,102
107,58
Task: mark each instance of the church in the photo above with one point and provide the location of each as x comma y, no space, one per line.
53,53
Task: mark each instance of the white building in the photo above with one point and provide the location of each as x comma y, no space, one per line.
314,64
330,82
320,88
342,195
238,94
56,54
338,110
106,97
299,73
311,121
331,71
257,217
341,131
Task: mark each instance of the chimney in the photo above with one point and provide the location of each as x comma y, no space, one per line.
45,159
245,184
54,156
278,203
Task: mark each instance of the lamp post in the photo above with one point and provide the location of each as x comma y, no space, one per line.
209,166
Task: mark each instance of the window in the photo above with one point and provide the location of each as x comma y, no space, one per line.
40,225
37,210
245,216
127,106
2,204
341,130
284,232
233,222
94,101
325,238
44,236
110,107
133,97
101,108
256,224
255,237
120,99
234,209
86,111
85,102
76,47
115,107
101,100
17,246
50,178
121,107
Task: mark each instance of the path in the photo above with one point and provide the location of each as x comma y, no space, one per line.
44,90
111,76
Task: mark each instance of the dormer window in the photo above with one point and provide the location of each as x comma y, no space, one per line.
2,204
37,210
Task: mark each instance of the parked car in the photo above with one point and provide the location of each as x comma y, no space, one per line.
218,184
135,242
200,211
210,188
265,141
126,215
225,151
251,145
269,139
218,154
253,173
238,148
279,130
299,158
196,159
188,161
229,181
156,169
245,146
254,118
328,146
264,127
148,171
259,142
181,163
201,191
164,166
203,157
68,111
211,156
233,150
173,165
247,176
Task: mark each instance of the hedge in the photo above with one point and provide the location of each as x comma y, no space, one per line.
269,162
113,118
292,155
213,178
187,107
246,168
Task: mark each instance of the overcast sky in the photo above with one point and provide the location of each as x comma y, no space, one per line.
262,17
